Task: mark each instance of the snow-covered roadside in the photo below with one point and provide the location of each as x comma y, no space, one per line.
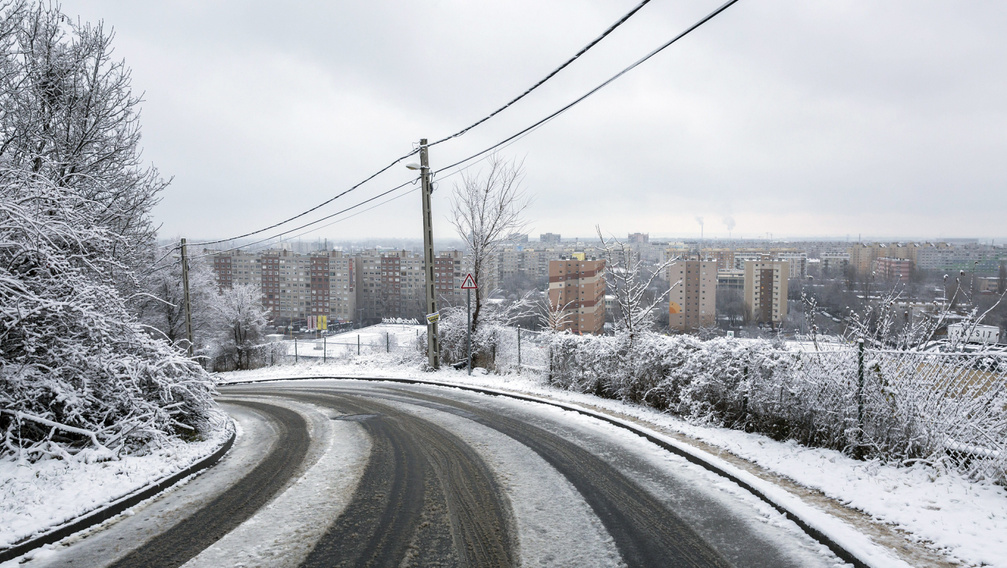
37,497
964,520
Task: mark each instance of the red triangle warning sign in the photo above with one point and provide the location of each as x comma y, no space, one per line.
469,283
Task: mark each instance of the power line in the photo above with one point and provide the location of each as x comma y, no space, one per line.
340,212
282,235
580,99
461,132
315,208
505,141
509,139
584,50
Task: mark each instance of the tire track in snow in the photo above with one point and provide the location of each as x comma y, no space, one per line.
218,517
426,497
645,531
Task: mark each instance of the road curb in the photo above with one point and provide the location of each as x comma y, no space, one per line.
115,507
839,549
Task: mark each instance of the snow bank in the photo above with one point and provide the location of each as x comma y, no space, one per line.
36,497
939,507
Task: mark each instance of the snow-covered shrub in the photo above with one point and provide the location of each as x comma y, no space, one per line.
909,406
240,323
76,369
487,336
162,307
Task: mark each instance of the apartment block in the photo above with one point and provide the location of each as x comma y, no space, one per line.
893,269
766,290
577,289
833,264
391,284
693,297
863,255
797,260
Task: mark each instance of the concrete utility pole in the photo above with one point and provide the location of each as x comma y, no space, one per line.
185,295
433,349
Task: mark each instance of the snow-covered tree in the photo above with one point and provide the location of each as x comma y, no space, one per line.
630,283
241,323
485,209
76,370
67,113
162,306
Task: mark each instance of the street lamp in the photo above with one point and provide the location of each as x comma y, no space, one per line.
433,351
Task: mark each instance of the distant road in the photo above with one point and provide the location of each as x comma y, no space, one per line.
355,473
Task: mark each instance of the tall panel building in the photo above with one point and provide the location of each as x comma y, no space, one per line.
693,299
766,290
577,289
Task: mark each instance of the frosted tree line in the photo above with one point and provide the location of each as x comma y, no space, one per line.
92,361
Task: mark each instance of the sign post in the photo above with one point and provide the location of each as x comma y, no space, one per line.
468,285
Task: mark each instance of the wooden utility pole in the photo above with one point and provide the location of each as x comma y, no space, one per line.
185,296
433,349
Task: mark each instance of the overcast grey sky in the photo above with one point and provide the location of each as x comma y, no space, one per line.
800,119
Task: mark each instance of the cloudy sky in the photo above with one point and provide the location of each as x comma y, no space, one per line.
779,117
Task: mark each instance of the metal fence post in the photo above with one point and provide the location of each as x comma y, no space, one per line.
358,345
324,349
519,349
295,349
388,342
550,363
860,394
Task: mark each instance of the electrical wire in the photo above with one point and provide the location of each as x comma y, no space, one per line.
552,74
375,206
280,237
340,212
580,99
461,132
510,139
315,208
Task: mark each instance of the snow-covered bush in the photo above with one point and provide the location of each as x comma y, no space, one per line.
908,406
76,369
162,308
240,324
453,339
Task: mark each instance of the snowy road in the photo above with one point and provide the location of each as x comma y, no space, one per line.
352,473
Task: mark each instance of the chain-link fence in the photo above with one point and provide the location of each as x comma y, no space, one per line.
323,349
522,351
894,405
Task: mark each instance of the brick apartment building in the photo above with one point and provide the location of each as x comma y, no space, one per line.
335,287
893,269
577,289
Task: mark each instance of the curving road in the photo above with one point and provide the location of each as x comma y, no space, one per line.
356,473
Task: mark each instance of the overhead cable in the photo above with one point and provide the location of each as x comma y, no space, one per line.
580,99
594,42
553,73
315,222
315,208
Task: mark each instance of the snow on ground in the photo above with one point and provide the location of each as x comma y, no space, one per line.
284,532
35,497
383,338
965,520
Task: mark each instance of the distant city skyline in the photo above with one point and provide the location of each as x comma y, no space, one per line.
804,120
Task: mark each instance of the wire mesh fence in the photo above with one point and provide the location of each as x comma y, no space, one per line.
897,406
